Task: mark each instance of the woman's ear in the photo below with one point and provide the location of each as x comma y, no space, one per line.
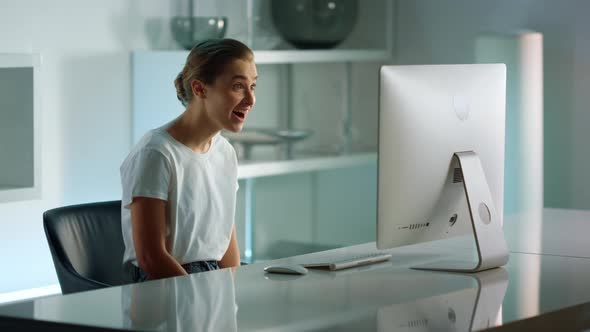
198,88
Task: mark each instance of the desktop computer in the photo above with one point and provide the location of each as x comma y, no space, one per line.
441,159
440,164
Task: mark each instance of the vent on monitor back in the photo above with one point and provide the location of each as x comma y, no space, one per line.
417,226
418,323
457,175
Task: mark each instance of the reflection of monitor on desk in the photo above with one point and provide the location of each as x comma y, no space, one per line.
464,310
441,158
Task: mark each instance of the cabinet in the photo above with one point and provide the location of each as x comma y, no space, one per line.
20,154
333,92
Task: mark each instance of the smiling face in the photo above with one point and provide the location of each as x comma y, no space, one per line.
231,96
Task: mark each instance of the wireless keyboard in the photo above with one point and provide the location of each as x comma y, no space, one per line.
350,262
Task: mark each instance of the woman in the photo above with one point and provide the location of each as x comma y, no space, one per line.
180,181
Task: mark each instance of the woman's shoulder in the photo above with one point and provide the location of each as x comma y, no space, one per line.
153,140
157,139
151,149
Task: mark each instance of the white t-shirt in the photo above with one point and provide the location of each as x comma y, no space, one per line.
200,190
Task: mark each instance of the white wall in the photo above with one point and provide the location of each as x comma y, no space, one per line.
86,115
435,31
86,94
85,108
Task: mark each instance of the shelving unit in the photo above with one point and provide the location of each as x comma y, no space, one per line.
154,97
152,72
20,164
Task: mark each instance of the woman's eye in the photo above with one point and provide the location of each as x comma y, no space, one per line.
238,86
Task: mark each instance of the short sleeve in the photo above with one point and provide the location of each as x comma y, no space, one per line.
146,175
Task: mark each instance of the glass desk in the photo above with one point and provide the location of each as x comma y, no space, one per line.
381,297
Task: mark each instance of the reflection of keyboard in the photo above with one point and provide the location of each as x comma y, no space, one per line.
351,262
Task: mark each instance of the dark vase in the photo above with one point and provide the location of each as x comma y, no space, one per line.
314,24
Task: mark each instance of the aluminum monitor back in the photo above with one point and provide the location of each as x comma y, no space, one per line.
426,114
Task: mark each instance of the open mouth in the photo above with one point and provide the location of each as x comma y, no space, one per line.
239,115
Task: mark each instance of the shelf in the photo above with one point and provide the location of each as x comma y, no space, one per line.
253,169
281,56
308,56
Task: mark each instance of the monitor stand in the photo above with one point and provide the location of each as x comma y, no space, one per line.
492,250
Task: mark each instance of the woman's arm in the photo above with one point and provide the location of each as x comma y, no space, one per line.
232,254
148,226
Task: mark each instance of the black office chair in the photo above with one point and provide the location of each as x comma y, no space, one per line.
86,245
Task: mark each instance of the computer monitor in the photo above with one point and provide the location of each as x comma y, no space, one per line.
441,159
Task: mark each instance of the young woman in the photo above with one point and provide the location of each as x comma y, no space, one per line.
180,180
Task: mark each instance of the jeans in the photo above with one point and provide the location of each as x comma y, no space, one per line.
139,275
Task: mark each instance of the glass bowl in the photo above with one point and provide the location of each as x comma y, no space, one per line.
190,30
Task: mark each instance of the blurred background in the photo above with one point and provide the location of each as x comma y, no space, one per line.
308,171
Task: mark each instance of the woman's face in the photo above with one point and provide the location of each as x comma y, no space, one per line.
231,97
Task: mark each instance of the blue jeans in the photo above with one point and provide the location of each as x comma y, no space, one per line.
195,267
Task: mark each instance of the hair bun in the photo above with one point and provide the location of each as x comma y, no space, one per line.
180,91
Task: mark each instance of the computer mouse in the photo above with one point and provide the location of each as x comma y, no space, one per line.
286,269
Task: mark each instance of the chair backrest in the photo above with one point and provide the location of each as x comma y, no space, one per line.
86,245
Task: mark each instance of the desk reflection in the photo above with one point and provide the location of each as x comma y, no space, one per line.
374,298
201,302
464,310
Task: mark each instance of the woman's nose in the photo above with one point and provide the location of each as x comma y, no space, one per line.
250,99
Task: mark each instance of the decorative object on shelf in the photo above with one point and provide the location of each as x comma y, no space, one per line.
249,137
190,30
314,24
264,33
